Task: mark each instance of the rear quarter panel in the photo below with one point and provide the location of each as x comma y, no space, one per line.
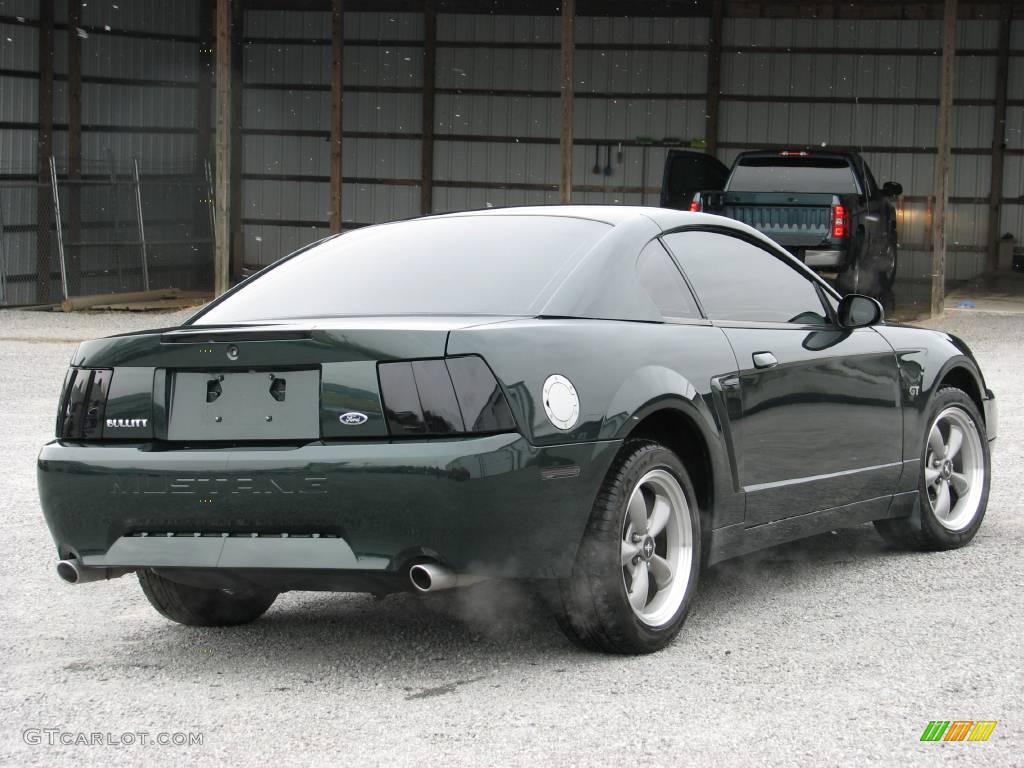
622,372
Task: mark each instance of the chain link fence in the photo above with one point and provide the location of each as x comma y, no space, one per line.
114,228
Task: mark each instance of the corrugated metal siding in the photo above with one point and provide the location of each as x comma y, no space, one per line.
154,121
1012,220
804,77
622,94
280,215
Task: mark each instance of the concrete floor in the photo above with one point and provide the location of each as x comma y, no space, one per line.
832,651
998,293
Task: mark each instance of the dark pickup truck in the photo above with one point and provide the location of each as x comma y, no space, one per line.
824,207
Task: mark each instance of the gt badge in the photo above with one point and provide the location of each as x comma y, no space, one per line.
561,403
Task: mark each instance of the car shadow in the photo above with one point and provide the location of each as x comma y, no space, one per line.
457,636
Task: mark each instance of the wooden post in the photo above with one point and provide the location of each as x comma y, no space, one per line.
568,81
429,81
44,204
73,266
714,79
222,164
995,200
237,200
337,111
942,159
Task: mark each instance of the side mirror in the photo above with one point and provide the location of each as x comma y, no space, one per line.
857,311
892,189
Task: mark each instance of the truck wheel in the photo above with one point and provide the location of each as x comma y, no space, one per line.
954,481
889,272
848,281
637,567
200,607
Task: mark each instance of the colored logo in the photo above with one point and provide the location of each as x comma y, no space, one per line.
958,730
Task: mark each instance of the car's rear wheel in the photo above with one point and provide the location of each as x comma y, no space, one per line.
954,479
637,567
201,607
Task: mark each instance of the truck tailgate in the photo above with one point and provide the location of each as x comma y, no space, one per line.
792,220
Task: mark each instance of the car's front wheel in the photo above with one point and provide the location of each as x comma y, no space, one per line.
954,479
201,607
637,567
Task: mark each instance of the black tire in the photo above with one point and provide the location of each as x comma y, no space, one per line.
922,530
592,606
198,607
849,280
888,278
874,278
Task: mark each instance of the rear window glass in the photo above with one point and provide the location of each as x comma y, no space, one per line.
469,265
793,174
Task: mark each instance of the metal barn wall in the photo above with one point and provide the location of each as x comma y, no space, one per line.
140,65
286,125
840,99
1013,169
639,81
19,115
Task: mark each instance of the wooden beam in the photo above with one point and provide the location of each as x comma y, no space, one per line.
74,142
714,77
568,80
44,204
998,142
237,201
942,158
429,83
337,111
222,152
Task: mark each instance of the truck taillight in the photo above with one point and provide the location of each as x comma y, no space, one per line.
840,225
695,204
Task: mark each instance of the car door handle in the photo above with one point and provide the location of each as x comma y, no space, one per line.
764,360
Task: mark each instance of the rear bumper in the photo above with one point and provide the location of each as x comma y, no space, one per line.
824,258
494,506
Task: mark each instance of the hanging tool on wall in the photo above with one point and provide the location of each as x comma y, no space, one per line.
597,159
608,160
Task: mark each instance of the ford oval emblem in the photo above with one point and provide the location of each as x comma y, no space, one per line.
353,418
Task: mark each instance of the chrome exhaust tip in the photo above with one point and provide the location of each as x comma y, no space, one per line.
73,572
430,577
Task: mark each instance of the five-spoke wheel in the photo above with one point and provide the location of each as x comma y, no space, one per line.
953,482
638,564
656,545
954,468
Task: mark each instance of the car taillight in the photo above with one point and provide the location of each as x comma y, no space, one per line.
83,402
695,204
443,396
840,225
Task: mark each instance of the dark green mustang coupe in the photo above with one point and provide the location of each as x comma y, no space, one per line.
597,399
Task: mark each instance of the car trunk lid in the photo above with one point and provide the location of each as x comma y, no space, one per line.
288,381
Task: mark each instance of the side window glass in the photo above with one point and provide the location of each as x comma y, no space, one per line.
738,281
664,283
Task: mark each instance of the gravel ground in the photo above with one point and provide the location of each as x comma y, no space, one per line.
831,651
